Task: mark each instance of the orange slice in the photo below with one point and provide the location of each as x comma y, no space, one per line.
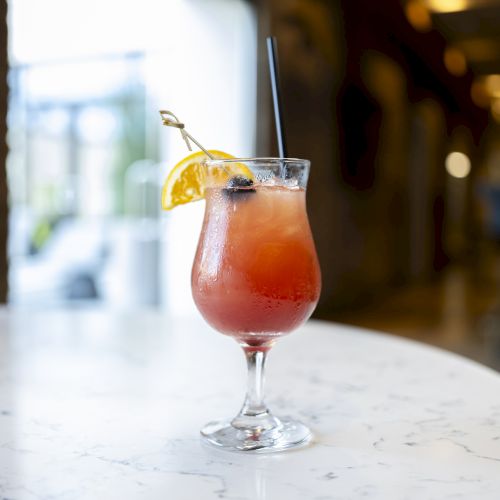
187,180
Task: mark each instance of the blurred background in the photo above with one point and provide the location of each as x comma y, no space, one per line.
396,102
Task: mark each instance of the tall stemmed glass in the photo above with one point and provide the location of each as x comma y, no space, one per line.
256,278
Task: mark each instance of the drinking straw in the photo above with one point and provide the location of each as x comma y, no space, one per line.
272,55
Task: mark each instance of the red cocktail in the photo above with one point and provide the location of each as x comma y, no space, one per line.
256,277
256,274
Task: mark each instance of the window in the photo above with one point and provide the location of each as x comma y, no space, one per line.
88,153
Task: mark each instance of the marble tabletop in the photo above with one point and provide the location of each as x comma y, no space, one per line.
103,405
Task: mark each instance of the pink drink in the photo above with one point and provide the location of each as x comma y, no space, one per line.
256,274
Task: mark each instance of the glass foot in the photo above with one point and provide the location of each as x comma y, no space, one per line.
287,434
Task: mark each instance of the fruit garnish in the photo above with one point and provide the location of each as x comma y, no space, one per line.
239,186
188,179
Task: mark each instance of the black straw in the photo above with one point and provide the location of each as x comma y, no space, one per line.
272,54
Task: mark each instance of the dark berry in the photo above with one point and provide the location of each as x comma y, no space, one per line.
239,186
239,181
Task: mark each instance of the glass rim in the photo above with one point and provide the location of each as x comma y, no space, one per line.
264,159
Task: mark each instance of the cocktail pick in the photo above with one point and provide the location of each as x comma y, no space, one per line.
170,120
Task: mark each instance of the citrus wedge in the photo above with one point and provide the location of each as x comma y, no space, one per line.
187,180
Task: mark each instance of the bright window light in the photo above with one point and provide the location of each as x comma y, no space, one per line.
88,152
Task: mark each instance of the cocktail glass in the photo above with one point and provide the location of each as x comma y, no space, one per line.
256,278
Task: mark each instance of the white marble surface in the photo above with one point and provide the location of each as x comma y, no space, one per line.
96,405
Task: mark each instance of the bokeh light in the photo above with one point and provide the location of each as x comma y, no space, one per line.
493,85
418,16
458,165
455,62
479,94
446,5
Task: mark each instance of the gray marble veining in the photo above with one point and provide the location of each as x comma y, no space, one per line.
108,405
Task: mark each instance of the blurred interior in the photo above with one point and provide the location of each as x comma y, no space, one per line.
397,104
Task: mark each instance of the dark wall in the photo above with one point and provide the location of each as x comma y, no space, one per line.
369,101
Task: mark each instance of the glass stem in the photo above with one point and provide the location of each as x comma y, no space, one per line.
254,415
254,401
